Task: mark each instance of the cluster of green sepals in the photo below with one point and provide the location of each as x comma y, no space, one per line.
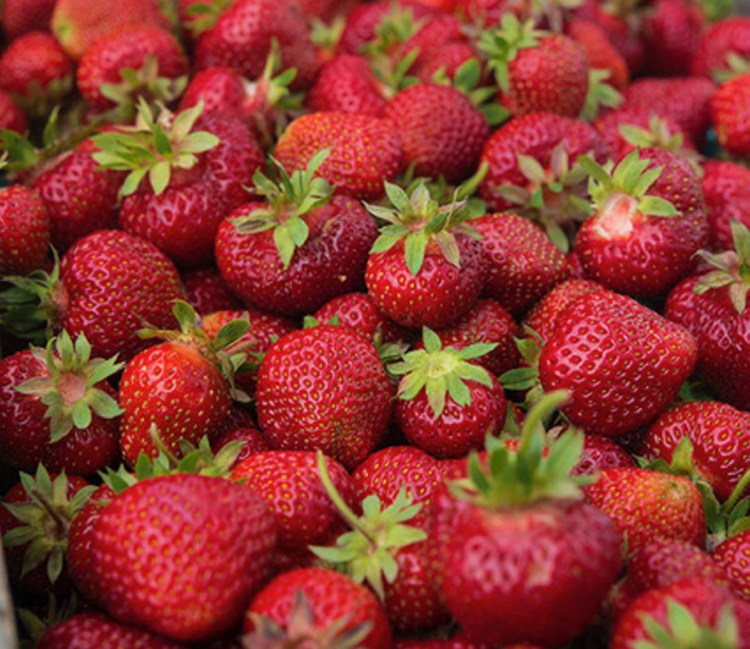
289,199
736,66
45,520
536,470
629,177
154,146
70,363
657,134
599,93
732,268
367,552
441,372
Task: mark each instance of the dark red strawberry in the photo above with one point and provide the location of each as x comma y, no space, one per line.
24,231
719,43
599,50
731,555
649,363
600,453
672,32
11,115
726,190
207,292
249,435
19,17
358,311
730,115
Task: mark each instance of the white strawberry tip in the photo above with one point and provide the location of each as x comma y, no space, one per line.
617,217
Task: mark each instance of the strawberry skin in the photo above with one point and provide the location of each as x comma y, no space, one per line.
726,190
730,115
731,555
207,292
724,37
24,231
358,311
346,83
35,58
11,115
631,381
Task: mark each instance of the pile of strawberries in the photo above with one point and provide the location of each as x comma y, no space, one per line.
395,324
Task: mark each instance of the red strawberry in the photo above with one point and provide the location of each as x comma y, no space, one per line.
649,363
347,84
220,89
535,70
358,311
648,224
12,117
57,408
193,579
622,26
207,292
730,115
600,453
19,17
647,504
337,399
365,150
91,630
426,268
726,190
672,32
252,442
24,231
442,133
80,198
131,61
731,554
600,52
78,23
722,40
524,263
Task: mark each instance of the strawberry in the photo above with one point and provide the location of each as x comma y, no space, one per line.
220,89
651,360
337,399
723,40
314,244
347,84
536,71
520,558
693,611
622,26
648,224
252,440
599,453
600,52
441,133
731,555
730,115
712,307
131,61
317,605
524,263
447,404
80,198
19,17
92,630
194,580
207,292
12,117
24,231
78,23
58,408
426,268
672,32
726,190
365,151
241,39
646,504
358,311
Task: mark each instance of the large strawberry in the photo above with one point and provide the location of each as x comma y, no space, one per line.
24,231
630,382
648,225
337,399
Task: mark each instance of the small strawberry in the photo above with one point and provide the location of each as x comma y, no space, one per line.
731,554
672,32
719,43
249,435
24,231
726,190
730,115
365,151
600,453
12,116
651,360
207,292
600,52
358,311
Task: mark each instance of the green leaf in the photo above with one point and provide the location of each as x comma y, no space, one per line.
132,181
159,176
284,245
655,206
415,246
199,142
81,415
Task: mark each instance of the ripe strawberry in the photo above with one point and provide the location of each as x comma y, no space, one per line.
519,557
646,504
651,360
731,554
314,245
599,50
241,39
131,61
730,115
524,263
600,453
220,89
365,151
648,224
337,399
358,311
207,292
317,604
20,17
210,550
252,440
726,190
447,404
57,408
712,308
24,231
426,268
347,84
80,198
289,484
12,117
622,26
672,32
92,630
719,43
78,23
442,133
535,70
680,613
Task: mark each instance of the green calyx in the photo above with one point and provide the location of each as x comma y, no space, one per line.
537,470
629,181
203,15
289,199
367,552
502,44
417,219
70,391
396,27
736,66
681,631
45,520
657,135
553,12
599,93
732,268
441,372
153,147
